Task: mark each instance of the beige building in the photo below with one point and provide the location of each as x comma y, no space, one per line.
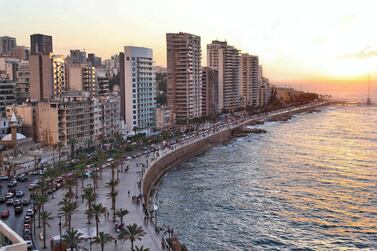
20,52
163,118
10,240
82,77
70,117
26,113
225,59
23,82
7,95
47,76
249,80
210,85
286,94
111,120
184,80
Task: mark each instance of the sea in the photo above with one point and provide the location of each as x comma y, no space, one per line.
307,184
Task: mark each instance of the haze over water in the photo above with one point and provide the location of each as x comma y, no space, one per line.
308,184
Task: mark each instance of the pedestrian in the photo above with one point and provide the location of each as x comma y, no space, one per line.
115,242
128,193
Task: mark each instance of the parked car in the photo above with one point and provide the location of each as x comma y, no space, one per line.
29,244
9,202
20,193
5,213
12,183
25,202
27,219
17,203
9,195
18,209
30,212
2,177
2,199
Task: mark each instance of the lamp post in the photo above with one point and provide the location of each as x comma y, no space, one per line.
90,243
60,233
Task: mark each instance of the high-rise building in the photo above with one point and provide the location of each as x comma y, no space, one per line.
184,83
95,61
23,82
138,89
47,76
7,95
249,80
225,59
82,77
20,52
40,44
210,85
77,56
7,44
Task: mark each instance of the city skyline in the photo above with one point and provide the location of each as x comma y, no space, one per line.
315,42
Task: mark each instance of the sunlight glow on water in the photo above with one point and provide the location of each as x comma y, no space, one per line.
308,184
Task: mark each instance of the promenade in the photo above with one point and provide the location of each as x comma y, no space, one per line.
128,182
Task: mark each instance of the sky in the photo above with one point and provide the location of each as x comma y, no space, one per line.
301,43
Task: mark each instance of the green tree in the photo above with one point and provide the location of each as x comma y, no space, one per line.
98,211
90,197
121,213
45,217
131,232
102,239
72,142
112,195
72,238
67,208
68,186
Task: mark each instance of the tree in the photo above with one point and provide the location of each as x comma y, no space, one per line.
40,200
121,213
69,188
141,248
67,208
72,142
72,238
45,217
131,232
90,197
112,195
59,145
102,239
98,211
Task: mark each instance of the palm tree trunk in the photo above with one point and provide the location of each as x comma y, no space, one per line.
39,217
102,246
44,235
97,227
132,245
77,189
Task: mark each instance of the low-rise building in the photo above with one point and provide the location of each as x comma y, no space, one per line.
163,118
111,120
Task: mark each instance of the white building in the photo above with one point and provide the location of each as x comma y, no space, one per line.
249,80
138,89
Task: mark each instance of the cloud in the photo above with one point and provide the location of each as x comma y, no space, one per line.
363,54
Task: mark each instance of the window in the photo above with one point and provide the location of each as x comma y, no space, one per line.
128,58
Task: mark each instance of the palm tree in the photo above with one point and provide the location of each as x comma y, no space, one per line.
112,194
98,210
121,213
90,197
131,232
81,171
67,208
95,179
45,217
141,248
72,237
102,239
72,142
40,200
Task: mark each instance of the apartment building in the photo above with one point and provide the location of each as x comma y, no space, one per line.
7,44
71,117
138,89
40,44
7,95
225,59
47,76
249,80
184,77
23,82
210,85
82,77
111,121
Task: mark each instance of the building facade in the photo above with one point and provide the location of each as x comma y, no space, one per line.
23,82
82,77
184,80
210,85
138,88
7,44
20,52
47,76
77,56
7,95
249,80
111,121
225,59
40,44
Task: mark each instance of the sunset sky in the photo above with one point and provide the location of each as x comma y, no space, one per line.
324,42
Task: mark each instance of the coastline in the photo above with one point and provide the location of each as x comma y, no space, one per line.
184,151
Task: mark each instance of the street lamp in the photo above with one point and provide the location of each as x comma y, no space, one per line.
60,233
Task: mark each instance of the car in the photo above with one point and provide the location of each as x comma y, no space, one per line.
129,158
9,202
20,193
2,199
27,226
17,203
27,219
25,202
30,212
34,173
2,177
18,209
9,195
23,178
27,236
12,183
32,186
29,244
5,213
